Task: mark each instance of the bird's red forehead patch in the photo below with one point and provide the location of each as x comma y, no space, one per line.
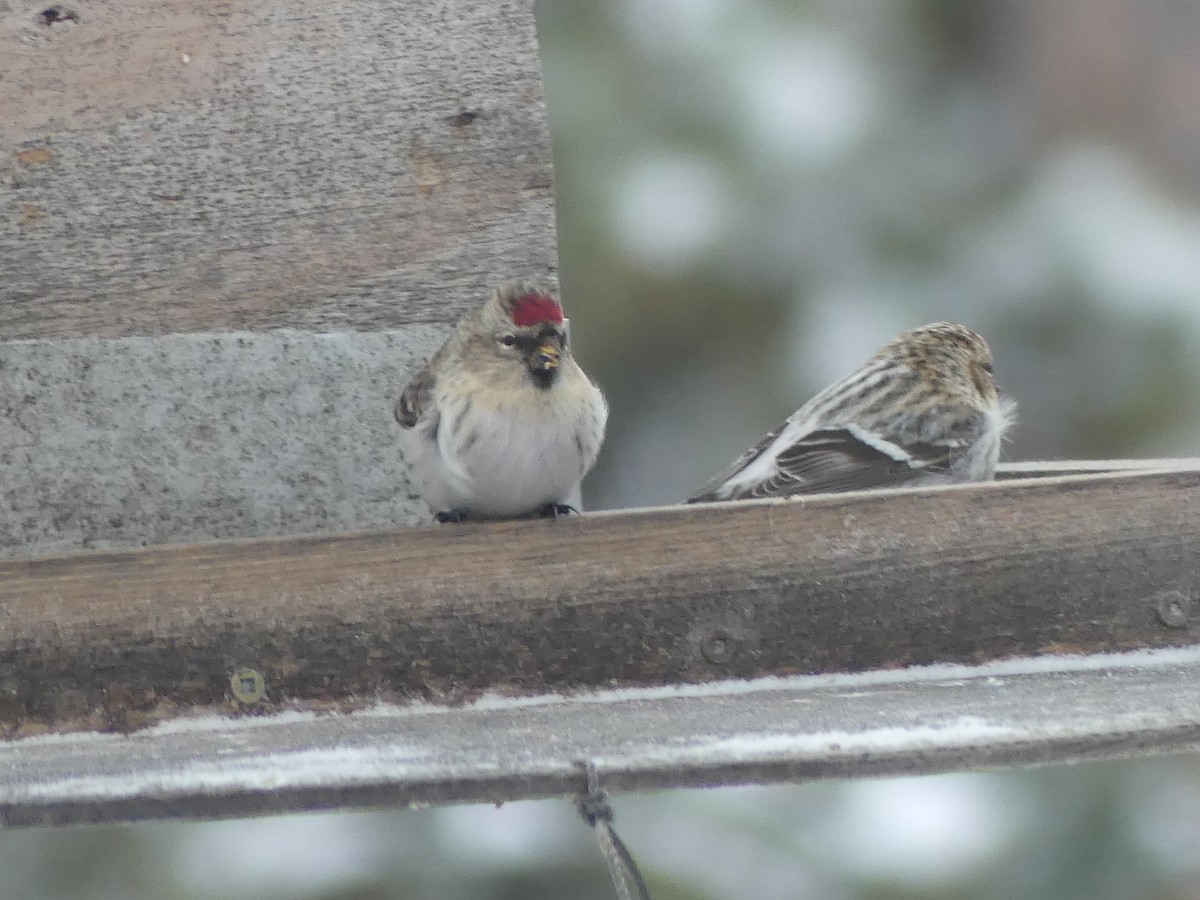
533,309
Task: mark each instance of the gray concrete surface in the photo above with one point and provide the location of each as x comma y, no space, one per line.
134,441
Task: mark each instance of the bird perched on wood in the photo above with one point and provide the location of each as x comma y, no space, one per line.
923,410
502,422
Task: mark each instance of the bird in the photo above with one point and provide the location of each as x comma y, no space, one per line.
502,422
923,410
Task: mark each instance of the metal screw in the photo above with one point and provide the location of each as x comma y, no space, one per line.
248,686
1174,609
717,647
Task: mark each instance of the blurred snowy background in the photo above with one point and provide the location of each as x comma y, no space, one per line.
753,195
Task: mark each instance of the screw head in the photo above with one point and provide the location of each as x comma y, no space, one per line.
248,686
1174,608
718,646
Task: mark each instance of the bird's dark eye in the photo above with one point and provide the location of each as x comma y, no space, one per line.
508,340
987,367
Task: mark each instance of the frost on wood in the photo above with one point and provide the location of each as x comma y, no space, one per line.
919,720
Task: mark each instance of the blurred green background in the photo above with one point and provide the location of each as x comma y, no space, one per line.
753,195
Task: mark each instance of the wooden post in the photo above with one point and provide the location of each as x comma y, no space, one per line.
179,182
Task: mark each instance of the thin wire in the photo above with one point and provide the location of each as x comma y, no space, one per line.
593,807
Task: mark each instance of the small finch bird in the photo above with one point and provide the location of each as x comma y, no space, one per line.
923,410
502,422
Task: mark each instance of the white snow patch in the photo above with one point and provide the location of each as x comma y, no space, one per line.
993,672
291,856
924,832
669,209
944,672
965,731
809,96
335,766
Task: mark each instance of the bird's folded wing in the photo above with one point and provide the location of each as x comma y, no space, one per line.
712,490
851,459
846,458
414,400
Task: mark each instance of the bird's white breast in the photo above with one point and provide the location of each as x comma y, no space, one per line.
507,453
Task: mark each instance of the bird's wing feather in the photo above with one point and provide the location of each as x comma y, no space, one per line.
712,489
854,458
758,463
849,459
415,400
842,458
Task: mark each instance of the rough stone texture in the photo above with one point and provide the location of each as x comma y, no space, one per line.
111,443
172,166
917,721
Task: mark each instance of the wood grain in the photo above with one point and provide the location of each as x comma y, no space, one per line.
1035,468
835,583
774,730
167,166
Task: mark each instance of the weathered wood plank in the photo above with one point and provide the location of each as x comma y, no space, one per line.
690,594
935,719
122,443
1045,468
168,166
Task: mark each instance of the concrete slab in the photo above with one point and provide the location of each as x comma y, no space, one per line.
135,441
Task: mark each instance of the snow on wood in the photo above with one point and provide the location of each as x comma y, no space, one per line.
801,728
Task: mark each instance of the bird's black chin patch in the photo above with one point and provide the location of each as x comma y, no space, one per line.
543,378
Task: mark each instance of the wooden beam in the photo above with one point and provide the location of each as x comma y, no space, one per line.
116,641
1046,468
172,166
916,721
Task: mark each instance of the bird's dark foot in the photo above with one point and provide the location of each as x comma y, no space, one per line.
451,516
554,510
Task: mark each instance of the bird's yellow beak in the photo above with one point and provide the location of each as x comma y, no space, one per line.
547,356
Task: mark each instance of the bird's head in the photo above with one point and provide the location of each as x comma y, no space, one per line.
526,326
951,354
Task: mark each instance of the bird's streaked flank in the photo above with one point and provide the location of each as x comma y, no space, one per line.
923,410
502,422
